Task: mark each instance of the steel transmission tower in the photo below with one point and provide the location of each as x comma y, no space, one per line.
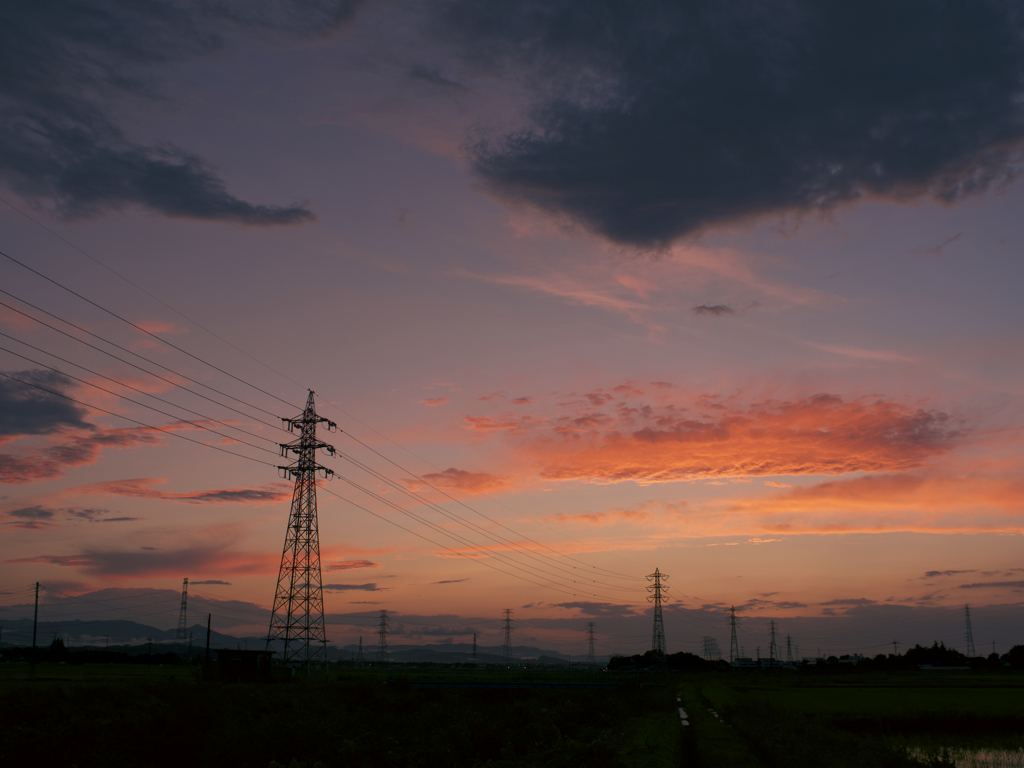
789,649
507,649
773,648
359,658
181,635
298,617
657,596
970,635
591,658
473,657
382,638
734,646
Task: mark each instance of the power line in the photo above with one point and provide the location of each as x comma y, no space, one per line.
136,402
465,542
452,516
481,514
442,546
243,381
133,388
140,328
134,421
143,290
136,354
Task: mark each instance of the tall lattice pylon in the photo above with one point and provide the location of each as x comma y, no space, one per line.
591,657
506,651
181,636
359,657
474,657
657,596
734,646
382,638
789,649
969,634
773,648
297,623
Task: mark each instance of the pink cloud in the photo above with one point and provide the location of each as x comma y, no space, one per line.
435,401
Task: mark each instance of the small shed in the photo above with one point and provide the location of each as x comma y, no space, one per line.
236,666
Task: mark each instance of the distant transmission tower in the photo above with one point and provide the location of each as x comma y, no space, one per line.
181,635
734,646
789,649
970,635
473,657
298,617
591,658
382,638
773,648
711,650
507,649
657,597
359,657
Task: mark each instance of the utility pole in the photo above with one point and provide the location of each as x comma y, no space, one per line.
894,651
657,596
773,648
180,635
298,616
382,638
591,658
35,624
506,651
970,635
209,617
734,646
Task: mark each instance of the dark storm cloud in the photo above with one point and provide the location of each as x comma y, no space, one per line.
25,410
656,120
59,59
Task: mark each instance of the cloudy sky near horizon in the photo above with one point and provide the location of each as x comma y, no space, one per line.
731,290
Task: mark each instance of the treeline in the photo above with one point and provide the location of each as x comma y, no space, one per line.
936,655
677,662
58,653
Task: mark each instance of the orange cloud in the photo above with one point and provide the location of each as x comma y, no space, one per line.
821,434
460,480
434,401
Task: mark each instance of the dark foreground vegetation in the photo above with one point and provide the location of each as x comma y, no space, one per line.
129,714
88,716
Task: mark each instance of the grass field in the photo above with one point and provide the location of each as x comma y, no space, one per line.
126,716
884,720
148,715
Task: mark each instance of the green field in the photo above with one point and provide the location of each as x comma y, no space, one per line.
850,720
127,715
149,715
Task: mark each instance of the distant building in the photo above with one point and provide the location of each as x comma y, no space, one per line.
236,666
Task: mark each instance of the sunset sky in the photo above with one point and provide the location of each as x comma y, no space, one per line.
728,289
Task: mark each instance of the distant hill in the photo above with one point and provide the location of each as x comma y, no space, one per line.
134,636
